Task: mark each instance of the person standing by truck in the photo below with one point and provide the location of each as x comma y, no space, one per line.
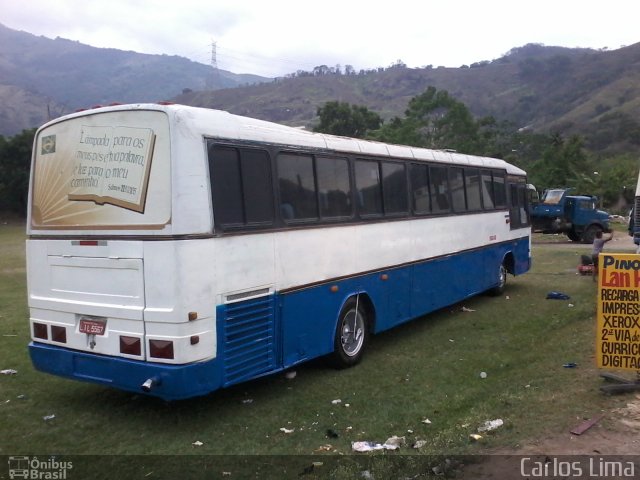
598,245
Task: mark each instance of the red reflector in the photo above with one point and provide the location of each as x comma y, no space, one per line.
58,334
130,345
40,331
88,243
161,348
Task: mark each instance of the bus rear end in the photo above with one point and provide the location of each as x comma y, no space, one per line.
108,259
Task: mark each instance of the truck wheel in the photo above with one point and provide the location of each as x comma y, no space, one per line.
352,335
590,233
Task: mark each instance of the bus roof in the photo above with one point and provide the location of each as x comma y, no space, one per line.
231,126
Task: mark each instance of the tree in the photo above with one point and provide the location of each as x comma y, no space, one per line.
562,165
341,118
15,160
436,120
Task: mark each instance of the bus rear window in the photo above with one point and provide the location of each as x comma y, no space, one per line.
107,170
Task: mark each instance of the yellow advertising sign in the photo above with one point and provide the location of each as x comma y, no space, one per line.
618,321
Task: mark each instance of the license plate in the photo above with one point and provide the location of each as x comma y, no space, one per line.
92,327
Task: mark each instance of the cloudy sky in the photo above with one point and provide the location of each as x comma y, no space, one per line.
276,37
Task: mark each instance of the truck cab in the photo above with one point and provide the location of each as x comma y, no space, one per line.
576,216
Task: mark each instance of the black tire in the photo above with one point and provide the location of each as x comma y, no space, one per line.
352,334
590,233
573,236
502,281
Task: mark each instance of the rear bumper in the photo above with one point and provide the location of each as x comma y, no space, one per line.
172,382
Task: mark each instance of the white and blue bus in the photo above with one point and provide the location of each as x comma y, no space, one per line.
177,250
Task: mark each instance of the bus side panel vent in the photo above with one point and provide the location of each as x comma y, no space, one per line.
249,339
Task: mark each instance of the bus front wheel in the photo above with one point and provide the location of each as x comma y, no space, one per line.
352,334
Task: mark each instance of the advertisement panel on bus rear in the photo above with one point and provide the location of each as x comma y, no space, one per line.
102,171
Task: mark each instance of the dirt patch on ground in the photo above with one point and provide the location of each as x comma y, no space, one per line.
615,435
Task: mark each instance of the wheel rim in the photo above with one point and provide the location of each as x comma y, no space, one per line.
502,276
352,333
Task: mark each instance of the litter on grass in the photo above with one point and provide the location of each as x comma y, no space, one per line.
331,433
46,418
287,430
491,425
336,401
392,443
8,371
557,296
324,448
365,446
197,443
584,426
290,375
419,444
483,374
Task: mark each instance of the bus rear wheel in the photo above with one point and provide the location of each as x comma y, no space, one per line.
352,334
502,281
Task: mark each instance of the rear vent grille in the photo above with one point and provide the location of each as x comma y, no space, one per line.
249,339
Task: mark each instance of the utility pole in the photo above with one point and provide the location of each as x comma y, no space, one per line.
214,67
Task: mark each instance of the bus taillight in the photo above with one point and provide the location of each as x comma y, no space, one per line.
130,345
58,334
40,331
161,349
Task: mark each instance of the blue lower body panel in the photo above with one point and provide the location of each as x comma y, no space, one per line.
174,382
260,336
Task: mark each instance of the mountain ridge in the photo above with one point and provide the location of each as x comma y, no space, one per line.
594,93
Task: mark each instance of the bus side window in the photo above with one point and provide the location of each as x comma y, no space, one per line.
296,181
369,189
456,183
472,187
486,185
257,187
439,189
499,190
226,186
241,187
394,188
420,200
334,185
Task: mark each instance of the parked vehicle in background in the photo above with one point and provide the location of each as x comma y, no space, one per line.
576,216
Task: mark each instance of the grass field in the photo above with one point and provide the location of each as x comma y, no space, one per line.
429,369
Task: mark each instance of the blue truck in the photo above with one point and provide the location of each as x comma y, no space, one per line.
576,216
